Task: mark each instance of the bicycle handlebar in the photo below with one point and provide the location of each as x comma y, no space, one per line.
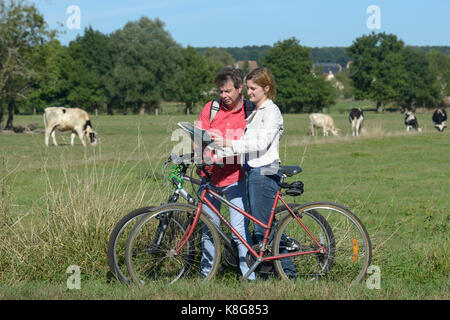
177,175
189,157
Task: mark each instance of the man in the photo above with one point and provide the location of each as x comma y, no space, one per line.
228,120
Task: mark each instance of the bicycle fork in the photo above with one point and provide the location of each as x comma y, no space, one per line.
164,221
160,231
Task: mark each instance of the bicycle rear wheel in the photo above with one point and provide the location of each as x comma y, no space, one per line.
148,260
348,250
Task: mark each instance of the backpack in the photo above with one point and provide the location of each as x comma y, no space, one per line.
215,107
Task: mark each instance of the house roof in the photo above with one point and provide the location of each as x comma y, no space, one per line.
252,64
329,66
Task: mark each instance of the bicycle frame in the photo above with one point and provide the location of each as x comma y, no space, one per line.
258,255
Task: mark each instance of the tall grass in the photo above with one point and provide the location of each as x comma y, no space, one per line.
81,205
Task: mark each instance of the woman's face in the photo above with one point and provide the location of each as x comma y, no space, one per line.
256,93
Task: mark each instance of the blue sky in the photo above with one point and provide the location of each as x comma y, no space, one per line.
233,23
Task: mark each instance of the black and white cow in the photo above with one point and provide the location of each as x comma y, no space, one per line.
356,118
440,119
68,119
411,122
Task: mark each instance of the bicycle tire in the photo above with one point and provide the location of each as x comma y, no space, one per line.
147,263
118,240
345,238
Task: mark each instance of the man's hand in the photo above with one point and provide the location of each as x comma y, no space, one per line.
221,141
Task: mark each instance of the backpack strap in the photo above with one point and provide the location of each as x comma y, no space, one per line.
215,107
248,108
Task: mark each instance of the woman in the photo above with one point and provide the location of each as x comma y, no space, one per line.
259,147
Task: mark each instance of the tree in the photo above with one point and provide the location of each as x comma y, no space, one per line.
439,64
146,66
298,88
22,29
344,78
219,56
92,59
245,67
330,54
384,70
54,66
376,70
198,76
421,87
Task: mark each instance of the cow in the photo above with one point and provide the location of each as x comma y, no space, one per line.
440,119
68,119
323,121
356,118
411,122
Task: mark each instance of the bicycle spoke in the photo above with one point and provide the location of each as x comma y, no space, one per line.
167,261
347,246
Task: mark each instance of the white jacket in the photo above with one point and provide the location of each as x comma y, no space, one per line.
261,138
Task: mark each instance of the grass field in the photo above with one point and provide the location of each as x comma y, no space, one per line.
59,204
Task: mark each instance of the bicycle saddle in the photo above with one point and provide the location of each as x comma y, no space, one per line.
289,171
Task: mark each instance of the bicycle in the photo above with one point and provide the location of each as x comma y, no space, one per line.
119,234
318,242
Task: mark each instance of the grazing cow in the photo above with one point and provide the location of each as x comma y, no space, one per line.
356,118
440,119
323,121
68,119
411,122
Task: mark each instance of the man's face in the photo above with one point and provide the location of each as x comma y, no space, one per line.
229,94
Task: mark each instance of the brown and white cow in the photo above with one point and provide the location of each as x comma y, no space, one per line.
356,118
68,119
323,121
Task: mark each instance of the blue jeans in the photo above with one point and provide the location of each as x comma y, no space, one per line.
235,193
262,188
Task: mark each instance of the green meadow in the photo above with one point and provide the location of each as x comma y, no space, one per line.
58,205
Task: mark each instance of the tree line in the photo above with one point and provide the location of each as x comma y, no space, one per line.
135,68
337,55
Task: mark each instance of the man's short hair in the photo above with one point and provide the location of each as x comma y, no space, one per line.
229,73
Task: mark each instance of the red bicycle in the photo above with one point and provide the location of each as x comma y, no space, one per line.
322,240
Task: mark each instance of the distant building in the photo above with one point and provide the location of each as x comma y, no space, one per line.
328,67
252,64
328,71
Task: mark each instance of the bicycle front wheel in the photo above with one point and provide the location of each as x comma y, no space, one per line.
153,253
118,240
346,253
